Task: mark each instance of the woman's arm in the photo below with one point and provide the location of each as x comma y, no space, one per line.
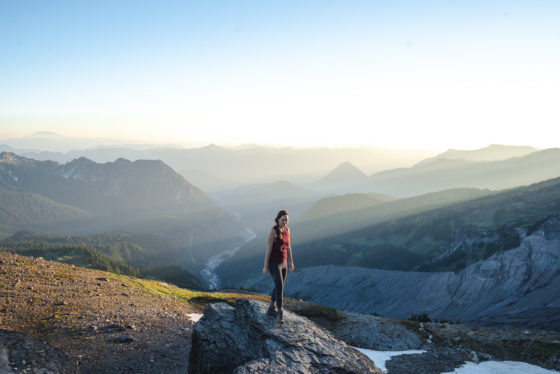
270,240
290,258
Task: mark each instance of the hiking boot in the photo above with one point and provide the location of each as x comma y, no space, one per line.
271,311
280,316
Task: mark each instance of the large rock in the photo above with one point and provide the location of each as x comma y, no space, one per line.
243,339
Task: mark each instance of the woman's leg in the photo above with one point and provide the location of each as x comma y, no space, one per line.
276,295
282,273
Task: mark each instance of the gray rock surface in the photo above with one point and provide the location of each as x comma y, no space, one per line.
519,287
20,353
381,334
435,361
242,339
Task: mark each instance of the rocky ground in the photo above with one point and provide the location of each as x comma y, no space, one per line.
67,319
102,323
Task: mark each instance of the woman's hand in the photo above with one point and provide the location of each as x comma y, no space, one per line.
291,267
265,270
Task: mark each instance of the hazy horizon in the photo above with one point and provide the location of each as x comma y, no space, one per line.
398,75
51,141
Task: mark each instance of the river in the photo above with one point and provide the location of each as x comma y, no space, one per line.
208,274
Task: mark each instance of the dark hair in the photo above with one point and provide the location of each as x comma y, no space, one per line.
280,214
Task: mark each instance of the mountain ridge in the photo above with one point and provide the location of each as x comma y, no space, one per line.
493,152
142,196
249,165
442,173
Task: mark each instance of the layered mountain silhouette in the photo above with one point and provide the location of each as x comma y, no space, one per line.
494,152
450,237
257,204
444,173
144,187
441,231
142,196
219,168
334,205
317,225
494,167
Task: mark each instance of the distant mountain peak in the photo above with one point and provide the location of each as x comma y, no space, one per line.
493,152
80,162
11,158
46,134
344,171
124,161
211,147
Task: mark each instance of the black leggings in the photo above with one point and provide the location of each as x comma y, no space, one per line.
278,271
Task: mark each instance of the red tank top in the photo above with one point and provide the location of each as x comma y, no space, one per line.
280,245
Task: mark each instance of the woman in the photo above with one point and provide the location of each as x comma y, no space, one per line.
279,250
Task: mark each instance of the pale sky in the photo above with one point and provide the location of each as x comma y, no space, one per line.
397,74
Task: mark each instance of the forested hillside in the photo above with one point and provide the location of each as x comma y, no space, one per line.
117,252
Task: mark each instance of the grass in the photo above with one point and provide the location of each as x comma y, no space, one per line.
182,294
205,299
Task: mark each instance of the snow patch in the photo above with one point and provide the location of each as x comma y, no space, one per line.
195,317
380,357
501,367
14,178
68,174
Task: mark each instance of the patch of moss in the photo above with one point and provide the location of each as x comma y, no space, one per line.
208,299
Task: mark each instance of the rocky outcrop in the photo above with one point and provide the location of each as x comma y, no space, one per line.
518,287
372,332
242,339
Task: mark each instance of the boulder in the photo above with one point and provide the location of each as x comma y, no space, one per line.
242,339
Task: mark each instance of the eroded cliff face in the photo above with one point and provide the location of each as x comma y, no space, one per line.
519,287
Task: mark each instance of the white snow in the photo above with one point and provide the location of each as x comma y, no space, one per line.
380,357
501,367
68,174
488,367
15,179
194,317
